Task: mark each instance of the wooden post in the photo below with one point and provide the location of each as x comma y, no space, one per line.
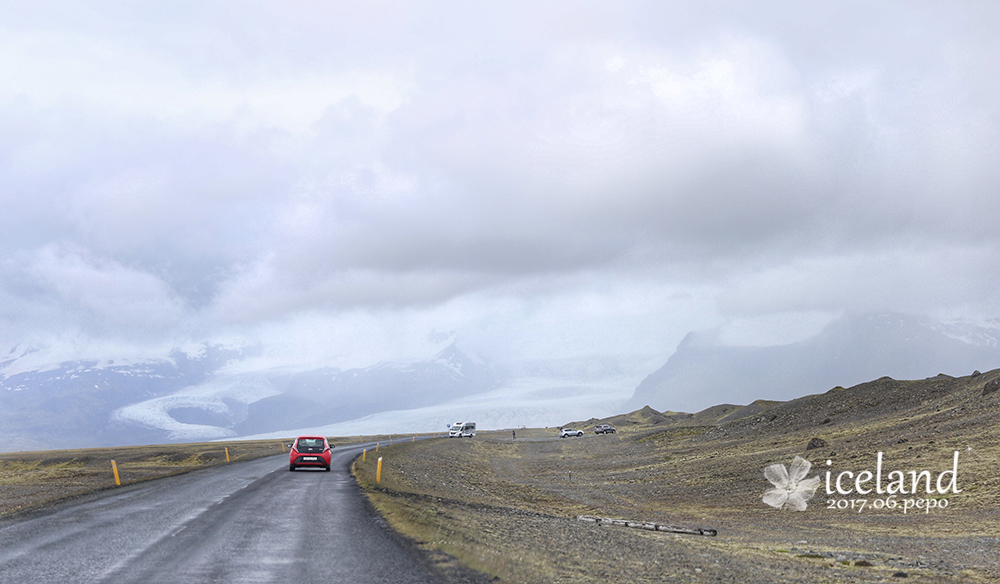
648,525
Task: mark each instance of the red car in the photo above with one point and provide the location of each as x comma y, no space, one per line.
310,451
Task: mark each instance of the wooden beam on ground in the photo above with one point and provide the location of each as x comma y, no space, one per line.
648,525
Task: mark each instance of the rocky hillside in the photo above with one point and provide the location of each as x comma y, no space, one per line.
509,507
919,406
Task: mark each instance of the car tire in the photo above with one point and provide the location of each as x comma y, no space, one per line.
291,467
326,468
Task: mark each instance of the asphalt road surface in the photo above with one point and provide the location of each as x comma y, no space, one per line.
245,522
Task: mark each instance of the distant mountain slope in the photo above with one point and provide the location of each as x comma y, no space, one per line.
850,350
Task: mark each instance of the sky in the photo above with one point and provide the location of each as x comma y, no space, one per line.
343,183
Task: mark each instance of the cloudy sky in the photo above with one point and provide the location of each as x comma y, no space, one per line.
347,182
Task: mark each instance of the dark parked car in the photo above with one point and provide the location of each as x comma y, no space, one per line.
604,429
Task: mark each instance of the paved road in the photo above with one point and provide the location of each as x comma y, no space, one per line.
247,522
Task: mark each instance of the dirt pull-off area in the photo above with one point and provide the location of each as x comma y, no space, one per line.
508,508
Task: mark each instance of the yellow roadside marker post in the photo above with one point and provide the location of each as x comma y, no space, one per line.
227,454
378,471
114,467
376,446
414,437
282,447
363,453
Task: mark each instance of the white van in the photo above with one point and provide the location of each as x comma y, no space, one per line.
462,430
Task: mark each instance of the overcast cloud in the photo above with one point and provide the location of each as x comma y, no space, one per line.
346,182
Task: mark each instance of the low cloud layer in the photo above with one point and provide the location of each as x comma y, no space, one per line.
342,182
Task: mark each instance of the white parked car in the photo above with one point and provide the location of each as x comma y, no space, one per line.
567,432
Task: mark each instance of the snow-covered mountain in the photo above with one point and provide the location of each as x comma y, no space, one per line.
191,397
69,404
850,350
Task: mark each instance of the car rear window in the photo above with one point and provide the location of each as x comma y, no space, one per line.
310,444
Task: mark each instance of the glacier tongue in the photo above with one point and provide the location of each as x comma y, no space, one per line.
221,396
538,402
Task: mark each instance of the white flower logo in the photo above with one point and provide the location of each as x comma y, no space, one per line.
791,490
